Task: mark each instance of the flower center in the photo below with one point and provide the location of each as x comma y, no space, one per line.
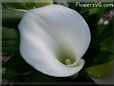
68,62
66,56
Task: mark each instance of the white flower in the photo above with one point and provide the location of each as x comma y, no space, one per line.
53,39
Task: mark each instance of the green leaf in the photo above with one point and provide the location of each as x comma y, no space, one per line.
12,17
104,57
9,34
42,3
75,76
10,40
96,10
107,44
93,11
100,70
27,4
9,74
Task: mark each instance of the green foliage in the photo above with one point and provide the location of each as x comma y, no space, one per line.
11,17
99,71
27,5
10,40
9,74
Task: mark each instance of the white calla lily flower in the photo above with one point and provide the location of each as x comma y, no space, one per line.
53,39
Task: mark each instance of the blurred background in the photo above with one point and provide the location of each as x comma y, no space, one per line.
98,57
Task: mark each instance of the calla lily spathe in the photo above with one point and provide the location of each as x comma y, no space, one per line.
51,29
